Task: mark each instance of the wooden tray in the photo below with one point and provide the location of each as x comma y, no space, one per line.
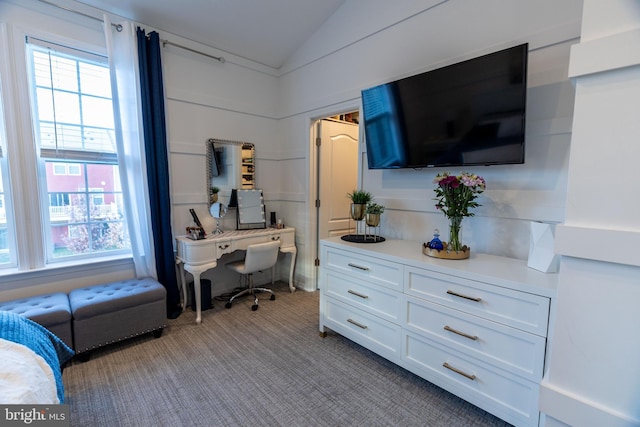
444,254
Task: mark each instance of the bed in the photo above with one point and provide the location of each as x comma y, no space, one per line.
31,362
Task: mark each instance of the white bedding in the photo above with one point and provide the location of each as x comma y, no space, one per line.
25,377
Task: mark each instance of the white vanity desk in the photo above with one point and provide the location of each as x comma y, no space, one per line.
198,256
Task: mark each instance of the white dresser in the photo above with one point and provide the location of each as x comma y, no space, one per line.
475,327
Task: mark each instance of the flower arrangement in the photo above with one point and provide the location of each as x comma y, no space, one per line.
455,196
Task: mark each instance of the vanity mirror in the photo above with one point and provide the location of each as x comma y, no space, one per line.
251,211
218,211
230,165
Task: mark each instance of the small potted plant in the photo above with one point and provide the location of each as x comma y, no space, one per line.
214,195
373,212
359,200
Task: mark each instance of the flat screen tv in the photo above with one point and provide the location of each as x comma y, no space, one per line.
465,114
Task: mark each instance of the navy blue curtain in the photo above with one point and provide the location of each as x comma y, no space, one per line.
155,138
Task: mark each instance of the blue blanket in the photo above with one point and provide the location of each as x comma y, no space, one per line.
40,340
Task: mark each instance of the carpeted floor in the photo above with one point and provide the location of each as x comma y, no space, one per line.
264,368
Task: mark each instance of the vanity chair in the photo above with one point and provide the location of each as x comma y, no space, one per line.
259,256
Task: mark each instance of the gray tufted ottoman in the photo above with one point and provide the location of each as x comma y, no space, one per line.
51,311
104,314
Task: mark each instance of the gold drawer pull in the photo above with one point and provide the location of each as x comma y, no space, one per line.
459,372
455,294
358,294
462,334
358,267
359,325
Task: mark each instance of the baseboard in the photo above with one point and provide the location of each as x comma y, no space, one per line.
575,410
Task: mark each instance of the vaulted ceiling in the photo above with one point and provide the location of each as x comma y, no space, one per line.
264,31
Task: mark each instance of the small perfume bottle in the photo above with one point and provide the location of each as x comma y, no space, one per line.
436,243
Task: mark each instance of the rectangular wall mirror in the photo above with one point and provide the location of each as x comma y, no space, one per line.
230,165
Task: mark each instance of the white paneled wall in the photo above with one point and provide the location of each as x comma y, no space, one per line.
364,45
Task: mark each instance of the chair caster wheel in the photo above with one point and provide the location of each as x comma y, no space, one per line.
227,305
254,307
273,297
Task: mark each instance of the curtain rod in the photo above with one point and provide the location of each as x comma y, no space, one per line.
217,58
118,27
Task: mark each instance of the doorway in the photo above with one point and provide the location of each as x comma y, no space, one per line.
337,154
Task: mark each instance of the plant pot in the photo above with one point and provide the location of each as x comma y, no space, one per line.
373,219
214,198
357,211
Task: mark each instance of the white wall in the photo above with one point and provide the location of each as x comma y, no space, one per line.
371,42
593,374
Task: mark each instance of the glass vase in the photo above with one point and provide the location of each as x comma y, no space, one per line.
455,223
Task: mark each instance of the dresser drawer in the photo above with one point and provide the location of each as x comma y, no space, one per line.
520,310
378,335
374,299
507,396
375,270
510,349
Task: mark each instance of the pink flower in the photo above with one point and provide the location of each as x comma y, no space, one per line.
450,181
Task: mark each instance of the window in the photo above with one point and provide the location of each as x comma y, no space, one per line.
83,210
66,169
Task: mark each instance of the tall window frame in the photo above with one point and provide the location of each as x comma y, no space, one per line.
73,129
8,257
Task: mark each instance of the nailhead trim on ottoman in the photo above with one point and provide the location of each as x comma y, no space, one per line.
105,314
50,310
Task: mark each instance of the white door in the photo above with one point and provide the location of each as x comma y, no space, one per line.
338,175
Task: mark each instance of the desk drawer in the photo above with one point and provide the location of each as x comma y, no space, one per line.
375,299
374,333
520,310
287,238
511,349
375,270
241,244
505,395
197,252
223,247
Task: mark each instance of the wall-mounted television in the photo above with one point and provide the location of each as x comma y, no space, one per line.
465,114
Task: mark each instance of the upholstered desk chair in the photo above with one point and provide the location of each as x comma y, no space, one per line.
259,256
